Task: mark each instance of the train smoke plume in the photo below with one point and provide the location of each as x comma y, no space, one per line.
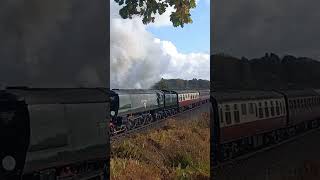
138,59
52,43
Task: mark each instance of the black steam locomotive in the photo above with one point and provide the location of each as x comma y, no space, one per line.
136,107
53,133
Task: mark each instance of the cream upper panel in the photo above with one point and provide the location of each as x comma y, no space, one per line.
237,112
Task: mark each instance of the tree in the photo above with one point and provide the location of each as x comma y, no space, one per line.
148,8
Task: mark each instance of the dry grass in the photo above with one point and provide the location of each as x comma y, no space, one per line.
179,150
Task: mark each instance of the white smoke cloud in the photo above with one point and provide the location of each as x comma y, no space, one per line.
138,59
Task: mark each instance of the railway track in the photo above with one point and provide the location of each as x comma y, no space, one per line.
239,160
156,124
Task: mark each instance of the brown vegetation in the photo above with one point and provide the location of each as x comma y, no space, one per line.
178,150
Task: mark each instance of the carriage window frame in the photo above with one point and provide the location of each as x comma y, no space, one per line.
235,107
251,109
277,108
221,115
228,117
236,115
260,113
244,109
272,109
256,109
266,109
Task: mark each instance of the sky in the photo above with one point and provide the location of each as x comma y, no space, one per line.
252,28
198,32
140,55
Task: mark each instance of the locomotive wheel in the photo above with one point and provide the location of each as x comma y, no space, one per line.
131,124
141,120
148,119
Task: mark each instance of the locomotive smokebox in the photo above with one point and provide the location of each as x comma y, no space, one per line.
14,134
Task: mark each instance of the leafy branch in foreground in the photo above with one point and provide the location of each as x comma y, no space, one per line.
147,9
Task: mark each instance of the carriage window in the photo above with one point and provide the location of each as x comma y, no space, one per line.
236,116
227,108
235,106
300,103
281,108
251,108
221,115
277,108
256,109
260,111
313,101
272,108
228,117
244,109
266,108
295,104
228,114
309,102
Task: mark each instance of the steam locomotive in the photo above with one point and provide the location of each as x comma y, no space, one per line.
133,108
245,121
53,133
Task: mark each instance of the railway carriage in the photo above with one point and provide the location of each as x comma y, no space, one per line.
204,96
316,102
247,120
55,130
188,99
303,109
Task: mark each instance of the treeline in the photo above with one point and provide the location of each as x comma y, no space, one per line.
267,72
180,84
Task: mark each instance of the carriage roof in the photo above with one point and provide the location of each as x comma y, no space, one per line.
300,93
244,95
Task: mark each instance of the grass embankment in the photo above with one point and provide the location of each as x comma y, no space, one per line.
179,150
